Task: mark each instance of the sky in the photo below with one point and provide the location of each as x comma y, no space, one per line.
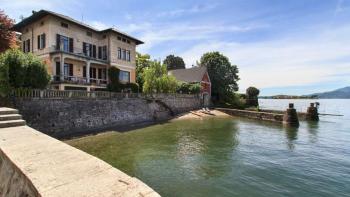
294,47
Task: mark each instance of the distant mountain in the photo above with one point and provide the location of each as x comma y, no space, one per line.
342,93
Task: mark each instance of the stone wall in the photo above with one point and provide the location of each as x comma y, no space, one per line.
62,117
273,117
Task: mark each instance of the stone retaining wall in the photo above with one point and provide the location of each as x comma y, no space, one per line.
73,116
273,117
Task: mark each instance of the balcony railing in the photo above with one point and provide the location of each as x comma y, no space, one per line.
78,80
77,51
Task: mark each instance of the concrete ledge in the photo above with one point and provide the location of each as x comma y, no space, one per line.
273,117
49,167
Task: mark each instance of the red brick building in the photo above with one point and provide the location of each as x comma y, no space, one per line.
195,75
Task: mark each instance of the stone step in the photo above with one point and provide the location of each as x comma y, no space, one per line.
10,117
5,110
12,123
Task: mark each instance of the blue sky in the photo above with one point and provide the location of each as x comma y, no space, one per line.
280,46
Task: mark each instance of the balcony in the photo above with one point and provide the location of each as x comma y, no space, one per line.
78,52
56,79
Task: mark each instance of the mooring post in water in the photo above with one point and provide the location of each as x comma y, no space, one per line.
290,117
312,113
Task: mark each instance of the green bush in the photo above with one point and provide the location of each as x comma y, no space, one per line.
157,79
18,70
35,73
132,86
113,76
188,88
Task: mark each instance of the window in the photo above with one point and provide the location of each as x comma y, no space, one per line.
128,55
119,38
101,73
41,23
26,46
84,71
128,41
63,43
124,54
119,53
104,52
92,72
124,76
89,50
124,40
41,41
68,70
104,36
89,33
65,25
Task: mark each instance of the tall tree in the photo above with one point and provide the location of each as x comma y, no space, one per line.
174,62
142,62
223,75
7,37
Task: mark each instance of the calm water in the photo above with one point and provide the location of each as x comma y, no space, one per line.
236,156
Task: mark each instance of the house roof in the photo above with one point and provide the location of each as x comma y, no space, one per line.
190,75
42,13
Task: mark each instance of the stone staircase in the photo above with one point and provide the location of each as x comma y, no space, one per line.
10,118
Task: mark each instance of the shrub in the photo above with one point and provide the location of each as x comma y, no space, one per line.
157,79
113,84
18,70
252,97
36,75
134,87
188,88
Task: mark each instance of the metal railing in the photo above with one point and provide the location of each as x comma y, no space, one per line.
34,93
78,80
79,52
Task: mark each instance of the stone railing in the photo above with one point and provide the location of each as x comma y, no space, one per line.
34,93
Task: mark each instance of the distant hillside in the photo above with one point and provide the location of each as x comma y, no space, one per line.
342,93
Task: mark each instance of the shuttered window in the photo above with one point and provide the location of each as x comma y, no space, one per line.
41,41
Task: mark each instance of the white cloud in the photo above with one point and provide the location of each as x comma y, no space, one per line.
289,62
99,25
192,10
24,7
155,35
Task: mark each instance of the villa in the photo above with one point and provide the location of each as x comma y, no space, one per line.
77,55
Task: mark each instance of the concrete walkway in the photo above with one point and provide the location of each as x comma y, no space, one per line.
57,169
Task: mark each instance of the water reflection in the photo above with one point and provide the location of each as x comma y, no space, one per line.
312,128
291,135
205,150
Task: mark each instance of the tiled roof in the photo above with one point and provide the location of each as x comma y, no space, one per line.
37,15
190,75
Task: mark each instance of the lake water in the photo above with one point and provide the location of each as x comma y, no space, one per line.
235,156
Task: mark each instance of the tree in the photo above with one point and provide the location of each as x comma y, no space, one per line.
157,79
36,75
223,75
113,76
7,37
252,94
142,62
18,70
174,62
